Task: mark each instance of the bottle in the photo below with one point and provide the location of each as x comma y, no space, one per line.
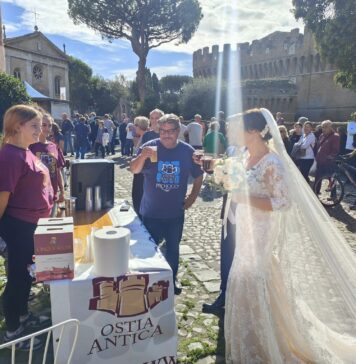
89,199
97,198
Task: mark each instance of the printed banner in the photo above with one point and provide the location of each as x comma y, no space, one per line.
123,320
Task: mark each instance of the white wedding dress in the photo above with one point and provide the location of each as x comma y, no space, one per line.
291,295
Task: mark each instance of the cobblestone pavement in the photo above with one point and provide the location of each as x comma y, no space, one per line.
201,337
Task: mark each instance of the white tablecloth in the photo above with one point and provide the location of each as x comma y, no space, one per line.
124,320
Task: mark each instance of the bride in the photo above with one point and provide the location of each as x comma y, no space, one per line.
291,295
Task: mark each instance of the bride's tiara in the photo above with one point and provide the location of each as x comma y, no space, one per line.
264,132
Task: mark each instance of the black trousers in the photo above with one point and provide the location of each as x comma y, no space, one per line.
123,143
304,166
227,251
171,231
18,236
137,192
102,150
323,170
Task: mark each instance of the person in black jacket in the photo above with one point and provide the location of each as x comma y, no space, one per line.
67,129
123,133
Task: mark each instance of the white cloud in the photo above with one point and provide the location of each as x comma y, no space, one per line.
230,21
177,68
238,21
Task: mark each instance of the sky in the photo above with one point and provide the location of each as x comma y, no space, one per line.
231,21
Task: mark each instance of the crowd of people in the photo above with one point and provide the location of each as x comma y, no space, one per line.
314,148
162,151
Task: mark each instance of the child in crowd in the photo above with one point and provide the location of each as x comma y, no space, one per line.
51,157
26,195
106,138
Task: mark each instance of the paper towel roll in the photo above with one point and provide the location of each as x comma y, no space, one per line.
111,248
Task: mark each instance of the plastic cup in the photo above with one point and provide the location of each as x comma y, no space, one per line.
153,157
207,161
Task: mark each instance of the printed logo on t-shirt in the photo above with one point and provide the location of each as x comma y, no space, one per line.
168,175
49,161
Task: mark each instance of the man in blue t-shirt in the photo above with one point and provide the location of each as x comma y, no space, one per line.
166,164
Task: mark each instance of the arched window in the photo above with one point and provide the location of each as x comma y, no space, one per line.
260,71
288,66
317,63
294,66
310,64
251,72
280,68
302,64
17,73
255,71
57,86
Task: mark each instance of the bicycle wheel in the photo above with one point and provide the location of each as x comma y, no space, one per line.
330,190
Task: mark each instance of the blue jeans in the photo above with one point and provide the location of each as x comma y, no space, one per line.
80,151
171,231
68,142
129,147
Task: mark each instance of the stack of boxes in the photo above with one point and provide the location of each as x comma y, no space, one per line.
54,249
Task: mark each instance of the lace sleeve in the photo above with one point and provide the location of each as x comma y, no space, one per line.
276,184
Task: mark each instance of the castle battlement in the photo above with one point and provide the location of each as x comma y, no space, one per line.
279,54
283,71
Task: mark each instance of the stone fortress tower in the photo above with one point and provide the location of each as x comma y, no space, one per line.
2,49
283,72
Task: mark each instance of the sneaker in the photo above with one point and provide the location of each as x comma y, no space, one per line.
23,345
32,321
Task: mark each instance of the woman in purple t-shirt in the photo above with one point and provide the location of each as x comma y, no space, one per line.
49,155
26,195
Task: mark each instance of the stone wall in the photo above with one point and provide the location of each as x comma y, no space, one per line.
281,56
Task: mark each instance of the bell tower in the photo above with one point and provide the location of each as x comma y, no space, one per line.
2,48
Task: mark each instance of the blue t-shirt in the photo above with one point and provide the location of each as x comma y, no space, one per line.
148,136
165,183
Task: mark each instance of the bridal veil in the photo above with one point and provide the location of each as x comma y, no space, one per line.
312,276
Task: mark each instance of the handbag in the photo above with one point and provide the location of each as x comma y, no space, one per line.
298,152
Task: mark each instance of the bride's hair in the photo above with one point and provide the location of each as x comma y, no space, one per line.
253,119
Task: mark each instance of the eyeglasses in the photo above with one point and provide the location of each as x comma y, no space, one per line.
167,131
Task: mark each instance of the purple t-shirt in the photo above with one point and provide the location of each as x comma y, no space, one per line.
28,181
48,154
165,184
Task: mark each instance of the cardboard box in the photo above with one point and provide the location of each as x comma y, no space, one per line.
55,221
54,252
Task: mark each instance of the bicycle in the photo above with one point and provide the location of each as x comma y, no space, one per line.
332,186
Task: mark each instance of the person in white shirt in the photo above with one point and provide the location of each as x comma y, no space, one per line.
110,126
183,129
351,134
194,132
305,157
129,139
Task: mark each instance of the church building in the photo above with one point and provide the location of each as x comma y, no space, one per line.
41,66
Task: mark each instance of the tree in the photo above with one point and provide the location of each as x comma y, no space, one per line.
146,24
170,90
106,94
152,96
12,92
173,83
80,75
334,26
199,96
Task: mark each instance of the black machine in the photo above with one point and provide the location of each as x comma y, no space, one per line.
90,173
